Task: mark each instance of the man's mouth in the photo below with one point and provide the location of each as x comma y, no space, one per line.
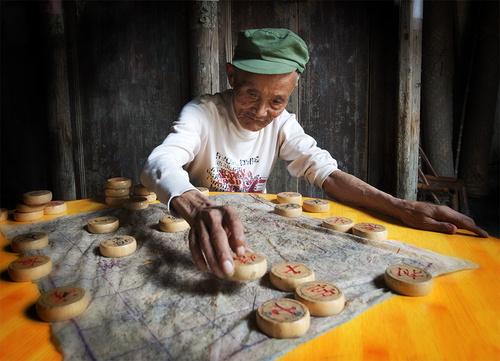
255,119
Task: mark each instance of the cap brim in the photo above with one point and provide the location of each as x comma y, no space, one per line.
258,66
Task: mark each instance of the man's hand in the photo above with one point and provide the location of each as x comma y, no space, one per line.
437,218
347,188
215,230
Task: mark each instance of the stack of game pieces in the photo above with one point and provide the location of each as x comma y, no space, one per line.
289,204
135,203
141,192
117,191
55,207
33,205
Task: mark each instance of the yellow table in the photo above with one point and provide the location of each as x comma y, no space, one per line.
459,320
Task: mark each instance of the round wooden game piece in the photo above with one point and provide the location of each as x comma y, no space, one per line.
118,246
102,225
4,214
30,268
204,191
288,276
62,303
140,190
316,205
340,224
136,203
409,280
249,266
116,201
283,318
151,197
290,210
37,197
55,207
321,298
172,224
375,232
118,192
28,217
32,240
119,182
289,197
24,208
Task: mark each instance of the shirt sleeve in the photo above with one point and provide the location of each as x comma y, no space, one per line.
304,159
163,172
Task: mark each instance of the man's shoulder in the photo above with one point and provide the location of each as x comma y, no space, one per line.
216,99
209,107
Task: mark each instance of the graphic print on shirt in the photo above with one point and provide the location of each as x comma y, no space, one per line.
233,175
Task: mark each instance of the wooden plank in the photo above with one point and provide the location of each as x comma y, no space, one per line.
70,10
204,47
383,87
226,48
132,70
57,102
334,93
361,91
410,58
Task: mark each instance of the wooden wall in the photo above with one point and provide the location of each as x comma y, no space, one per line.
128,76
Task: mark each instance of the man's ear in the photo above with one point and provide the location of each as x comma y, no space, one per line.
231,73
297,81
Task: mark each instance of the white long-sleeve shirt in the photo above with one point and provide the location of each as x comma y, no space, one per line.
207,147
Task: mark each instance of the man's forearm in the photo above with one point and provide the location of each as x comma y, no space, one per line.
347,188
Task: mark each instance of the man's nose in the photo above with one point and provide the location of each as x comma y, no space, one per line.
261,109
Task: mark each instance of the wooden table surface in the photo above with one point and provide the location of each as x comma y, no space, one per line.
459,320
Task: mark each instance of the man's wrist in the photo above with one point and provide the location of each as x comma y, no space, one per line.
189,203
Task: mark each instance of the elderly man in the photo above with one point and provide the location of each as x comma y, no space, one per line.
231,141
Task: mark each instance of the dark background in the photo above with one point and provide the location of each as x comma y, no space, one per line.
88,92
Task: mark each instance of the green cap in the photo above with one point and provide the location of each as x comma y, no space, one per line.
270,51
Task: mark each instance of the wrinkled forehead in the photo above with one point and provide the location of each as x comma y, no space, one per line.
284,82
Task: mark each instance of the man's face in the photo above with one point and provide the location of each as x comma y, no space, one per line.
259,98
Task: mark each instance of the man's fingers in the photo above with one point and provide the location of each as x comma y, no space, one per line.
215,230
236,234
459,220
206,241
222,251
214,242
443,227
439,218
469,224
196,253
